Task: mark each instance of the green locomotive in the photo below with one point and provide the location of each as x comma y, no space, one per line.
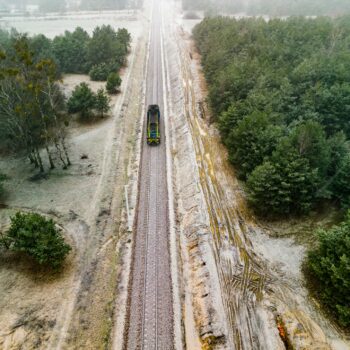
153,125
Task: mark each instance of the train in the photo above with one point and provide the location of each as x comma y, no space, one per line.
153,125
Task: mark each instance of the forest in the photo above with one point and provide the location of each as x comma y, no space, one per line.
279,92
271,7
77,52
33,110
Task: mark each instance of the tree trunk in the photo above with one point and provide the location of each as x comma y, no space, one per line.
60,154
39,160
34,158
31,159
52,164
66,152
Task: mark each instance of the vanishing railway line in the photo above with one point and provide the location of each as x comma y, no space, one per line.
150,306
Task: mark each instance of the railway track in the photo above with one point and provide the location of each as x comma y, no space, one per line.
150,307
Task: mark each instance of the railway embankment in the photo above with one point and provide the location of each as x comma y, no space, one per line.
202,307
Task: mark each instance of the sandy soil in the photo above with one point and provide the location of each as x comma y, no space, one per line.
74,308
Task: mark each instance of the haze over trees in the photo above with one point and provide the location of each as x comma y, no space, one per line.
103,4
52,5
271,7
280,92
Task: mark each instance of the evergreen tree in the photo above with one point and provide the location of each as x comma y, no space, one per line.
38,237
340,184
281,77
82,101
104,46
31,105
284,185
252,141
329,263
70,50
113,83
102,102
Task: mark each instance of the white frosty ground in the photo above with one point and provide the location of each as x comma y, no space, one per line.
42,311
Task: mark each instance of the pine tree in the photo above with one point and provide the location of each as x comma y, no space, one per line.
113,83
82,100
102,102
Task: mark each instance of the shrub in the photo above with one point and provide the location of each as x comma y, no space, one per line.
282,186
101,71
102,102
38,237
124,37
254,138
82,100
113,83
329,264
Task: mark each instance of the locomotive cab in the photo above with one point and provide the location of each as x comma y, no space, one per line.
153,125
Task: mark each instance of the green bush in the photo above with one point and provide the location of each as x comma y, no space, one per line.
102,102
285,185
82,100
329,264
124,37
101,71
38,237
113,83
251,141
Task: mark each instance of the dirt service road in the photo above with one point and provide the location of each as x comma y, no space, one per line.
150,313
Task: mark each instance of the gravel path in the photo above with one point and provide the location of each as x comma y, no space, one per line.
150,315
